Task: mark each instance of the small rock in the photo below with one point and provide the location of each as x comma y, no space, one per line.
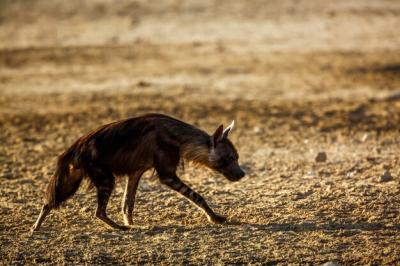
85,209
311,174
328,188
321,157
330,263
365,137
145,187
351,174
143,83
372,160
324,173
60,140
302,194
38,148
386,176
257,130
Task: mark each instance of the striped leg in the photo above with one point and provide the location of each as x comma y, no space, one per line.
176,184
128,200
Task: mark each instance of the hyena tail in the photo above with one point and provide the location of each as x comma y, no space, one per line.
63,184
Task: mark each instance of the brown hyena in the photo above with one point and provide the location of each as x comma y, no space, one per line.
131,147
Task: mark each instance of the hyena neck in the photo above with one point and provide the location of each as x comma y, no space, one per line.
196,152
195,147
194,142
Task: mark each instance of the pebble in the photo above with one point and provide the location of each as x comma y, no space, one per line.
302,194
145,187
85,209
324,173
38,148
143,83
365,137
321,157
386,176
351,174
330,263
257,130
311,174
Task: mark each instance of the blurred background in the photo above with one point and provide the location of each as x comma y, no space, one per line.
314,87
276,48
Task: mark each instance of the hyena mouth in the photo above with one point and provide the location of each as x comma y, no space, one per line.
236,176
234,179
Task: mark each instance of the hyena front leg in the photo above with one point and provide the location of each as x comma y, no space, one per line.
43,213
128,200
176,184
104,183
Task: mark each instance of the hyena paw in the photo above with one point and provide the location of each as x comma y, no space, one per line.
217,219
128,221
124,228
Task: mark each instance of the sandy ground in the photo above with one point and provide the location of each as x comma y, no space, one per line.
299,77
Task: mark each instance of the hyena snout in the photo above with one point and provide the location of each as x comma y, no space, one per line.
234,172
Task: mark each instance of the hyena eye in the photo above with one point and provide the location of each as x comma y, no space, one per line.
224,162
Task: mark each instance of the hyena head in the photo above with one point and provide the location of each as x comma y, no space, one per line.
223,156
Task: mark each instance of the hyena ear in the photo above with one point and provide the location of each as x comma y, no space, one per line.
228,129
217,136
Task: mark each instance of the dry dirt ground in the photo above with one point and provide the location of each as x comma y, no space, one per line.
299,77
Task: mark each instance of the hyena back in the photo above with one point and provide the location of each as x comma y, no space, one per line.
131,147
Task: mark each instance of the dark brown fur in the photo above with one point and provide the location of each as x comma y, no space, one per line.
132,146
